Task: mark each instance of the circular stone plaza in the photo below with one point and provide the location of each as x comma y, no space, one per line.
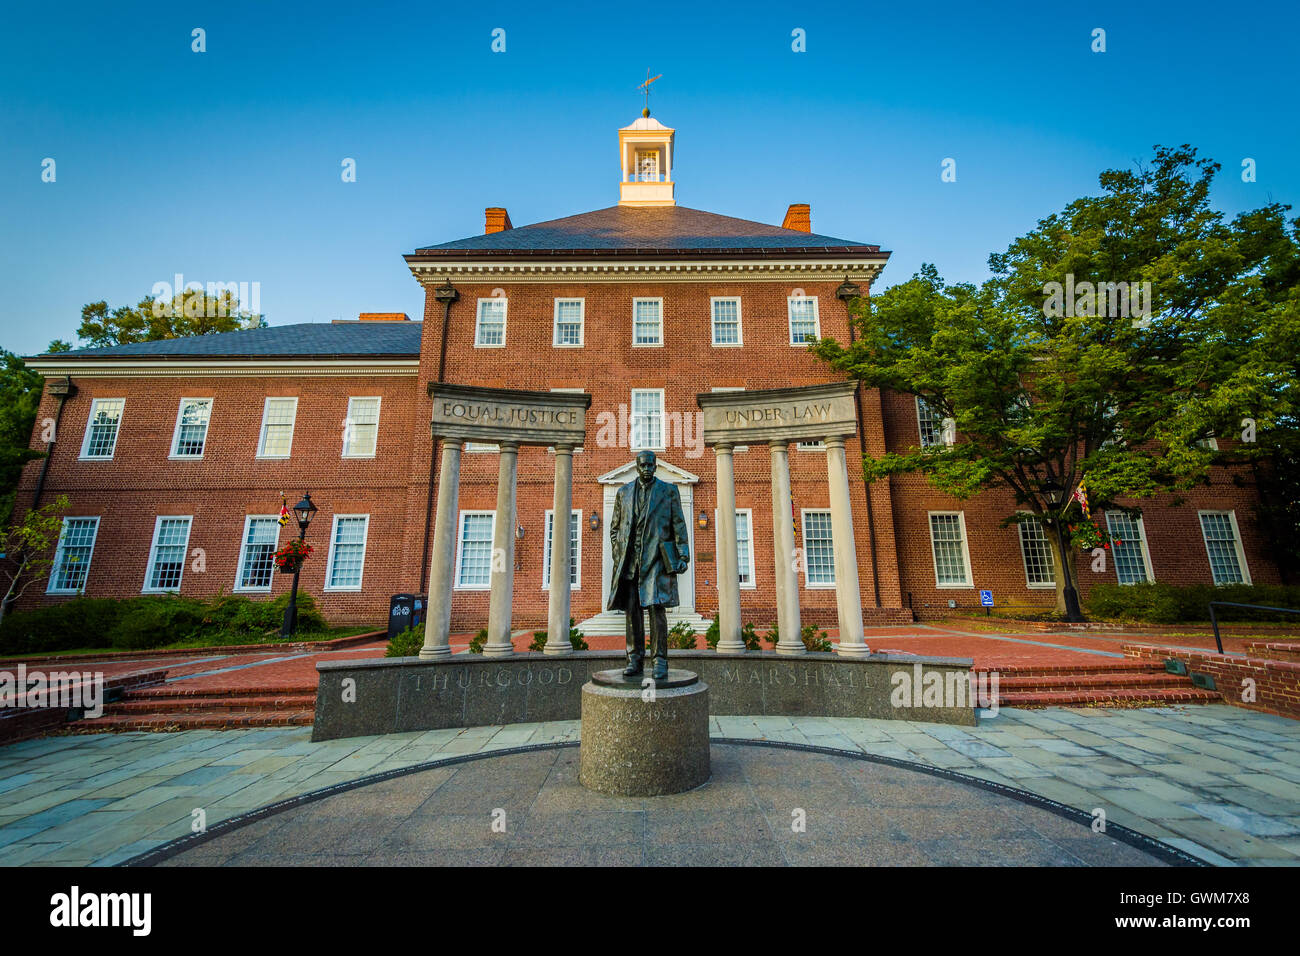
1086,757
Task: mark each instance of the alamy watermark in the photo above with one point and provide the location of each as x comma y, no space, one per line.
1114,300
919,688
39,690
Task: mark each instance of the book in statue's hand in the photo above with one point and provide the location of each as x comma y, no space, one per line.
672,560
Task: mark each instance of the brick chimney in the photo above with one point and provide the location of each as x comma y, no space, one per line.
798,217
384,317
496,219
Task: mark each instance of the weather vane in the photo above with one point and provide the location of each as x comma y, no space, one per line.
645,88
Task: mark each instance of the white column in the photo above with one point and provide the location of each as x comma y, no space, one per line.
787,578
557,627
729,639
848,597
503,557
437,629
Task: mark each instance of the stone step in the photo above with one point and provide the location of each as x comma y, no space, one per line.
181,691
1108,697
213,704
167,723
1116,667
609,623
1020,683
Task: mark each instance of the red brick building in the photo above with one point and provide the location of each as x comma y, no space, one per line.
175,454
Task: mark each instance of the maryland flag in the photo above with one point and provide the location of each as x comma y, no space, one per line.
284,510
1081,495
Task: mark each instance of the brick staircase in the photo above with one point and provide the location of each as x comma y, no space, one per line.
1127,683
170,707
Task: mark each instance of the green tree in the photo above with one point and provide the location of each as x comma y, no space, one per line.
1051,373
192,312
28,550
20,395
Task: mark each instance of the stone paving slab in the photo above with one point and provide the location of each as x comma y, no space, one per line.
1180,774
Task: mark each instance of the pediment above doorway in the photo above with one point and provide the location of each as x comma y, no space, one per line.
664,471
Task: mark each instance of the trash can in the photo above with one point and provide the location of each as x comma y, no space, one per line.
403,612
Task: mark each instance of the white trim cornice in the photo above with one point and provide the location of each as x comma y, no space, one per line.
140,366
434,272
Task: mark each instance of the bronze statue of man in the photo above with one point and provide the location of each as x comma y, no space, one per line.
650,548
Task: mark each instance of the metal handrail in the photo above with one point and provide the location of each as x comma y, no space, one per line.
1214,620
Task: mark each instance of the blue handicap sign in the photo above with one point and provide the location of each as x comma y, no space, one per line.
986,599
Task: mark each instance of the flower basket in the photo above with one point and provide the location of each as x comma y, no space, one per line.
290,558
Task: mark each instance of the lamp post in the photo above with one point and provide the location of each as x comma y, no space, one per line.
304,511
1055,496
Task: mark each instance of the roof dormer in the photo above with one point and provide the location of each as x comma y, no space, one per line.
646,152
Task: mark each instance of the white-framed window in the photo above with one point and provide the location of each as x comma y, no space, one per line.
481,447
804,319
1223,547
278,416
73,555
490,329
1040,572
818,550
100,440
726,320
171,541
474,550
647,166
191,434
929,423
1129,548
1209,443
361,427
818,445
745,548
647,427
575,549
948,543
347,557
647,322
257,553
568,323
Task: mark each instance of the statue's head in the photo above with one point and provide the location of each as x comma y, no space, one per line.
645,465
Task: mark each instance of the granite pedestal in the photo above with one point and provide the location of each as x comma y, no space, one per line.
644,741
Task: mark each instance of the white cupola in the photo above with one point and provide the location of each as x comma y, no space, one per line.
646,150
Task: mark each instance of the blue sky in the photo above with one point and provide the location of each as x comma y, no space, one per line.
225,165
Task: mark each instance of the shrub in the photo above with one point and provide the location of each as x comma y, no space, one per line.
154,621
815,640
713,634
79,623
477,641
1160,603
682,636
749,635
575,638
407,643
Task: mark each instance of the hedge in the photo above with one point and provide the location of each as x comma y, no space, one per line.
1159,603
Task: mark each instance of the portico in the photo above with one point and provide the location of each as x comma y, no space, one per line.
510,418
778,417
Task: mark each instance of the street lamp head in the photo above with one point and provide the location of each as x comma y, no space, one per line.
305,511
1052,491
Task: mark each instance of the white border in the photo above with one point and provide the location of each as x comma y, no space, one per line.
176,431
965,547
582,323
58,554
648,345
379,409
740,323
789,316
293,425
753,570
329,562
1024,557
1142,540
153,554
478,317
1236,541
546,551
803,532
243,553
460,547
90,420
663,421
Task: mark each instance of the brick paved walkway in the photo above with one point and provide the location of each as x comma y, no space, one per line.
1218,782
